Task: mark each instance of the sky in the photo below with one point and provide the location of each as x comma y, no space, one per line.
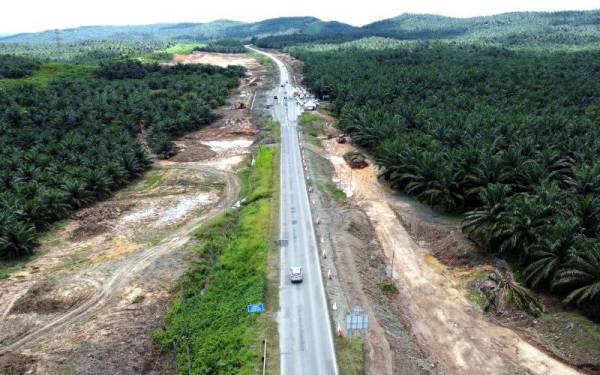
37,15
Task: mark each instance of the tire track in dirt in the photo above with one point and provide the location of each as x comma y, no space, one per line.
135,263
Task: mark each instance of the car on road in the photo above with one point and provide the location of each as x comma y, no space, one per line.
275,97
296,274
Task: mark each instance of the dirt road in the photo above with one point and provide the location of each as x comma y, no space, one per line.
456,337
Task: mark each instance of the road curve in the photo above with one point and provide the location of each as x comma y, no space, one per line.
305,330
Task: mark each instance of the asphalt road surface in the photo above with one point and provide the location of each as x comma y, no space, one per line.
305,331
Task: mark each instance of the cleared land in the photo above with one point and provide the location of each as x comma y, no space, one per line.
102,282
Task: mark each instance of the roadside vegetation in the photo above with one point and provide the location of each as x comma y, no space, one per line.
70,140
208,324
350,355
264,60
313,126
509,138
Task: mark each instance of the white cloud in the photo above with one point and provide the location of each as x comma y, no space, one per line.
37,15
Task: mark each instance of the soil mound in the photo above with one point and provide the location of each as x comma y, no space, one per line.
355,160
50,296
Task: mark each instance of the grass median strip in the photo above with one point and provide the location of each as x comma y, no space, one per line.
208,318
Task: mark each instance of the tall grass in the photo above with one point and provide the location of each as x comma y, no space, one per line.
208,317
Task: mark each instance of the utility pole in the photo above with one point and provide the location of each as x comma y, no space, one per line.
175,362
265,358
350,180
187,349
186,333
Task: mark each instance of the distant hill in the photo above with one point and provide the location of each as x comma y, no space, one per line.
518,27
573,27
220,29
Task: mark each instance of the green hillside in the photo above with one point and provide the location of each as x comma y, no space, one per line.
512,28
220,29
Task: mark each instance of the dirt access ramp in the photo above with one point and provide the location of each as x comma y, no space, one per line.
456,337
102,281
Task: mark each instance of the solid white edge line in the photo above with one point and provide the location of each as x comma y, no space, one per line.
313,237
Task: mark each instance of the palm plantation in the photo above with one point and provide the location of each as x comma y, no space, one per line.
483,141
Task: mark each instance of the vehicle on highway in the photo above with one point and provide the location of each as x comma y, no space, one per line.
282,85
296,274
275,97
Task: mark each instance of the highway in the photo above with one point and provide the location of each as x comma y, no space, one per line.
305,330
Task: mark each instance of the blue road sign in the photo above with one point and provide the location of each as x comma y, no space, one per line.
256,308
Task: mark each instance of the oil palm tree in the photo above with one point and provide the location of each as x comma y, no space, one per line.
550,253
587,210
586,180
17,238
483,223
582,274
522,224
76,193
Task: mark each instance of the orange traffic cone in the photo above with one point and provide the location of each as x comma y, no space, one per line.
340,332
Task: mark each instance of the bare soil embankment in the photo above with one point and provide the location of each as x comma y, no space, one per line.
455,336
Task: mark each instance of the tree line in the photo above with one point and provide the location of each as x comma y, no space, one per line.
508,138
223,46
17,67
89,51
73,141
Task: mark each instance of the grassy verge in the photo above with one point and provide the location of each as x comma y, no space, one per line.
350,355
208,317
313,127
263,60
323,169
7,267
269,328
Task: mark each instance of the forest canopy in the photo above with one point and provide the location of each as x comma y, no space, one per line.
509,138
17,66
68,143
